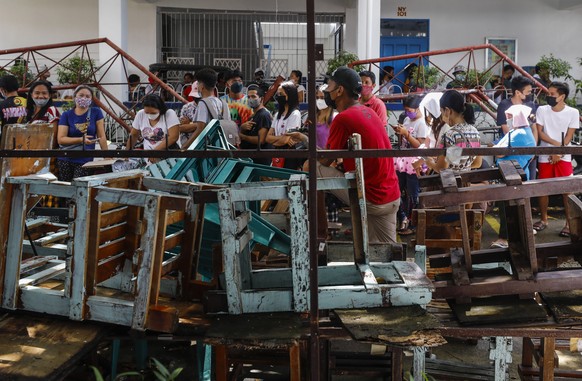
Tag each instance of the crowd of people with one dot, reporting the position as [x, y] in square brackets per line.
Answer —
[346, 103]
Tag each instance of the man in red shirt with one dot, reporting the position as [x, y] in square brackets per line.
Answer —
[369, 99]
[380, 181]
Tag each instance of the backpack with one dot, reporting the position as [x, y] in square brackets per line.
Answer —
[229, 127]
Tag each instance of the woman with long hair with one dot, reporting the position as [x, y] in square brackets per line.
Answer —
[286, 123]
[83, 125]
[323, 118]
[158, 125]
[460, 116]
[39, 106]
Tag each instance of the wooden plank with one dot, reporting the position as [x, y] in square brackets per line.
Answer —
[448, 181]
[44, 348]
[465, 236]
[563, 280]
[173, 240]
[19, 136]
[51, 238]
[300, 250]
[295, 362]
[93, 249]
[368, 278]
[509, 173]
[498, 192]
[112, 233]
[43, 300]
[83, 232]
[113, 216]
[175, 216]
[575, 218]
[41, 276]
[13, 255]
[109, 267]
[162, 319]
[110, 310]
[112, 248]
[548, 345]
[145, 274]
[232, 267]
[31, 264]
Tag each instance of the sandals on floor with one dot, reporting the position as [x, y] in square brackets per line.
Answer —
[564, 232]
[406, 231]
[540, 225]
[403, 225]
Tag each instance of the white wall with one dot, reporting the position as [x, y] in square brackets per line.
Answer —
[539, 26]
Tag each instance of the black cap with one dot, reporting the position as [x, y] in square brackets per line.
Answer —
[348, 78]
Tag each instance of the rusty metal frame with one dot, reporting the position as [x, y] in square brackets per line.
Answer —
[476, 95]
[95, 75]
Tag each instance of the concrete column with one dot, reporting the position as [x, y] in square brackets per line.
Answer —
[363, 29]
[113, 25]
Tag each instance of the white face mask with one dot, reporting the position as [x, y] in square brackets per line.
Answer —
[320, 103]
[153, 116]
[509, 123]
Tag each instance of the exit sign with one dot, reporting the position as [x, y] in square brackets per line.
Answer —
[401, 12]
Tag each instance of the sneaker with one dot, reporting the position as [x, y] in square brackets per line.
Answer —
[500, 244]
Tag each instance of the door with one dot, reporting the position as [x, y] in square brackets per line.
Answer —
[402, 37]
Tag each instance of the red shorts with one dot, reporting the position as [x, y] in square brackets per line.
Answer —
[560, 169]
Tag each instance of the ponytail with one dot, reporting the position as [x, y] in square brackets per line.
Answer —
[469, 114]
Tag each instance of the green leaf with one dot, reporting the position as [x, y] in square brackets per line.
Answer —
[131, 373]
[97, 373]
[161, 368]
[160, 376]
[176, 373]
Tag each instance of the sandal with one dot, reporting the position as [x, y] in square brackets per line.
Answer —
[540, 225]
[403, 224]
[564, 232]
[406, 231]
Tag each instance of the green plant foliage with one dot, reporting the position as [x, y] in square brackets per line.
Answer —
[21, 72]
[75, 70]
[99, 376]
[428, 77]
[162, 373]
[557, 67]
[343, 58]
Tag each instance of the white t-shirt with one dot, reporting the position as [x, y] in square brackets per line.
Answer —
[153, 135]
[282, 125]
[554, 124]
[417, 129]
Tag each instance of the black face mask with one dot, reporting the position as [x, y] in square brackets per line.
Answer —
[328, 101]
[551, 101]
[281, 100]
[528, 98]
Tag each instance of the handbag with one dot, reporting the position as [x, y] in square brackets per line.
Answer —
[78, 146]
[228, 126]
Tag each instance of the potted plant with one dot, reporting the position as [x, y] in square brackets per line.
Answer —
[343, 58]
[75, 70]
[427, 77]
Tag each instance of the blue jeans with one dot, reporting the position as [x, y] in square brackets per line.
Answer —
[409, 190]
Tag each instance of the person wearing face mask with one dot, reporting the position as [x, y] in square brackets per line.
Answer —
[187, 112]
[237, 101]
[80, 126]
[253, 133]
[13, 107]
[412, 133]
[556, 124]
[387, 84]
[380, 181]
[39, 106]
[521, 88]
[284, 132]
[460, 74]
[157, 125]
[460, 116]
[367, 97]
[324, 117]
[519, 135]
